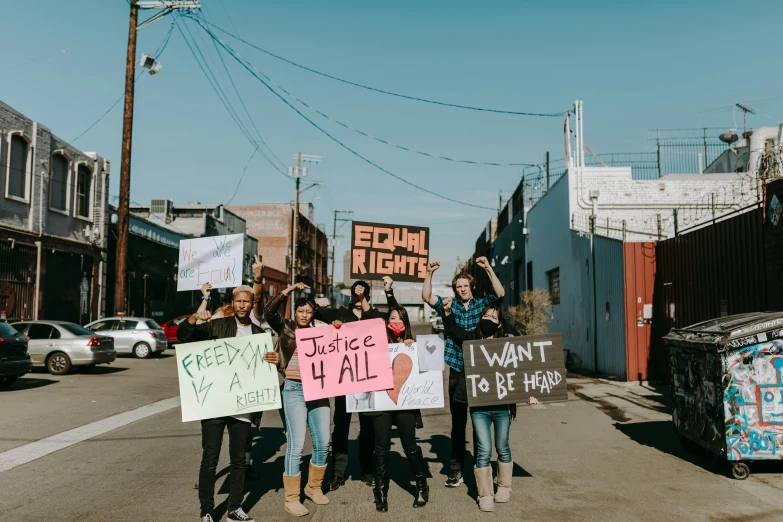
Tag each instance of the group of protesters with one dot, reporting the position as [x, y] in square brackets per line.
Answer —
[465, 317]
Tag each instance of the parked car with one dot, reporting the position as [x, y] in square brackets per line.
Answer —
[59, 345]
[137, 335]
[171, 326]
[14, 359]
[437, 325]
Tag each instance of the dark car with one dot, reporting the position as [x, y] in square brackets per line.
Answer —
[14, 359]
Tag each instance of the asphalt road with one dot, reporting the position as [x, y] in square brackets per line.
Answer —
[585, 459]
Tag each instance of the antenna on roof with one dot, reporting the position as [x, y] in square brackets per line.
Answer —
[745, 111]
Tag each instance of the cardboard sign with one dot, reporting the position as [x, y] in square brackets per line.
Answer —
[398, 251]
[226, 377]
[352, 359]
[217, 260]
[513, 369]
[413, 389]
[431, 353]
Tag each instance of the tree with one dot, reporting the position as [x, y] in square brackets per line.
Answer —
[532, 315]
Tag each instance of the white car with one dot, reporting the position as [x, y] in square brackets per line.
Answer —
[137, 335]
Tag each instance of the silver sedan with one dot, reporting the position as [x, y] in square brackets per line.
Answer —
[137, 335]
[59, 345]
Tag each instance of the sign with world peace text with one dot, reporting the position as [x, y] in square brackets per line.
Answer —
[339, 361]
[513, 369]
[398, 251]
[414, 388]
[227, 377]
[217, 260]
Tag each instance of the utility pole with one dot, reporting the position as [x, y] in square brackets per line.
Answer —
[123, 210]
[334, 242]
[298, 172]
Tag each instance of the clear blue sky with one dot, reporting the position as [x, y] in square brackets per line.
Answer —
[637, 65]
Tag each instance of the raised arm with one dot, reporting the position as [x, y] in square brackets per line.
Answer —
[258, 287]
[272, 310]
[497, 286]
[426, 289]
[452, 330]
[206, 288]
[189, 331]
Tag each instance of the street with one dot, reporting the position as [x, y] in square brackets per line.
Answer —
[608, 453]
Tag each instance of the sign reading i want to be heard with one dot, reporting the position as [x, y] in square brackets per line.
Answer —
[513, 369]
[398, 251]
[217, 260]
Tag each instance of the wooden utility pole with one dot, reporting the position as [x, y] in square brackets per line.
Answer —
[123, 210]
[298, 173]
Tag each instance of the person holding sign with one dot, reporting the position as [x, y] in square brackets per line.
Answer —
[467, 315]
[490, 325]
[398, 329]
[238, 426]
[300, 415]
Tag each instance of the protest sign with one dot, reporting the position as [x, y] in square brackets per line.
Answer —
[351, 359]
[413, 389]
[226, 377]
[513, 369]
[431, 357]
[398, 251]
[217, 260]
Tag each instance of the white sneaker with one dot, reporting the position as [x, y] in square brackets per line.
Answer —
[207, 518]
[238, 515]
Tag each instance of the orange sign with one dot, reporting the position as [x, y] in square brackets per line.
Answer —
[398, 251]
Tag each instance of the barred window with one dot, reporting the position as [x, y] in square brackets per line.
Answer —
[553, 278]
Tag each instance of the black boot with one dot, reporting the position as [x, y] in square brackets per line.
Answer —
[381, 487]
[419, 468]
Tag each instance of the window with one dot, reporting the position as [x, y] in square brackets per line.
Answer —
[18, 167]
[7, 330]
[529, 279]
[39, 331]
[102, 326]
[75, 330]
[127, 325]
[58, 184]
[553, 278]
[608, 314]
[83, 182]
[152, 325]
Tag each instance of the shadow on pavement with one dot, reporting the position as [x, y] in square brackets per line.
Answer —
[100, 370]
[29, 383]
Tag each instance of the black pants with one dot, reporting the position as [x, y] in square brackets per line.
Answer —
[459, 423]
[211, 441]
[342, 424]
[406, 427]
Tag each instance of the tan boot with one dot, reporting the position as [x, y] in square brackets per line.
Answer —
[292, 491]
[504, 481]
[485, 489]
[314, 482]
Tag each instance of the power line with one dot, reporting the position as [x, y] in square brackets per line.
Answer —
[252, 71]
[382, 91]
[242, 176]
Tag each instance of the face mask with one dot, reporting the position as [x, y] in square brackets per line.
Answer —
[488, 327]
[396, 327]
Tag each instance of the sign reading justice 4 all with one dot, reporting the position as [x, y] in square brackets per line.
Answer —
[398, 251]
[226, 377]
[513, 369]
[217, 260]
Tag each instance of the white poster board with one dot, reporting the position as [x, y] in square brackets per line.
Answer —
[218, 260]
[227, 377]
[431, 353]
[412, 389]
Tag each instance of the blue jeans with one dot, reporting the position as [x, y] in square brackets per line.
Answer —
[300, 416]
[483, 417]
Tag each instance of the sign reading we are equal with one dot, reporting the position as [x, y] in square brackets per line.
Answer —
[217, 260]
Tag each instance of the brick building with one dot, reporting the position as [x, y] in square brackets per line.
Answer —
[272, 224]
[53, 224]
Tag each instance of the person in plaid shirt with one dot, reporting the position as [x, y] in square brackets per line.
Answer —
[467, 313]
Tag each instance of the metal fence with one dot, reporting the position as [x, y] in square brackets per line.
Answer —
[17, 280]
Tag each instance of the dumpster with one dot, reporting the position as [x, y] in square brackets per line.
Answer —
[727, 388]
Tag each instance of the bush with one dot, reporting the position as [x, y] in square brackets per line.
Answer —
[532, 315]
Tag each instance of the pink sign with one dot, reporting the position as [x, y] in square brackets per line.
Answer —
[353, 359]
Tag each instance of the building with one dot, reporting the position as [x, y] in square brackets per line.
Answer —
[53, 224]
[272, 224]
[347, 281]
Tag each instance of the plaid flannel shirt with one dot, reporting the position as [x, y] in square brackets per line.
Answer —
[467, 319]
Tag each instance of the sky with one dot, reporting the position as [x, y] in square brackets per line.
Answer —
[637, 66]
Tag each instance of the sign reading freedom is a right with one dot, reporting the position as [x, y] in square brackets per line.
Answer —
[513, 369]
[398, 251]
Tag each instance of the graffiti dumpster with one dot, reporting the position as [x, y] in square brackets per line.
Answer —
[727, 388]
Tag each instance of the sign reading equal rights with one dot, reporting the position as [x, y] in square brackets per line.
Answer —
[513, 369]
[398, 251]
[217, 260]
[351, 359]
[226, 377]
[413, 388]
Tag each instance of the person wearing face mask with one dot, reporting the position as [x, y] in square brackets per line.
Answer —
[398, 330]
[300, 415]
[467, 313]
[490, 325]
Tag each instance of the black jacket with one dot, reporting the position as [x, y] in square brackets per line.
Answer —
[285, 328]
[345, 314]
[221, 328]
